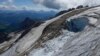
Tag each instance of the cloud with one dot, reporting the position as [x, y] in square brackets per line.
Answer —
[92, 2]
[7, 5]
[47, 4]
[58, 4]
[65, 4]
[51, 4]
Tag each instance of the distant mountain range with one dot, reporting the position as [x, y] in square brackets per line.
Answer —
[9, 16]
[15, 20]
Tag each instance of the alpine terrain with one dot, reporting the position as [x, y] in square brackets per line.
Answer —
[74, 33]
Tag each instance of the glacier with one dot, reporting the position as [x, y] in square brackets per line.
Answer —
[85, 43]
[50, 39]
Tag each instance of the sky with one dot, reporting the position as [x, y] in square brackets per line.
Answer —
[45, 5]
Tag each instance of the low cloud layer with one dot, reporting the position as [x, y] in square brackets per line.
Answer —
[7, 4]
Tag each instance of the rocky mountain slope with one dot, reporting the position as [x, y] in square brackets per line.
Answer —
[51, 39]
